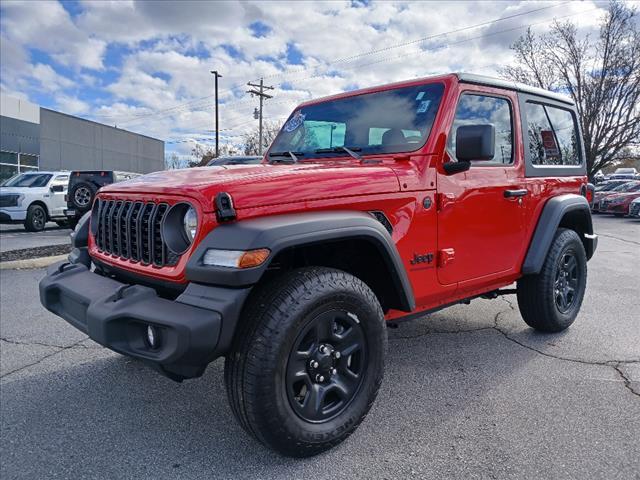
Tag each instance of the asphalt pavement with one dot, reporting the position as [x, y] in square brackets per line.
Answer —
[469, 392]
[15, 237]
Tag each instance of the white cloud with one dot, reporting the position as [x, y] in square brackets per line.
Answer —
[162, 86]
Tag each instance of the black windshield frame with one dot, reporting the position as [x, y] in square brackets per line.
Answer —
[413, 112]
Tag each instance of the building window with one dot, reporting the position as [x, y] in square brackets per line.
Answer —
[12, 163]
[28, 162]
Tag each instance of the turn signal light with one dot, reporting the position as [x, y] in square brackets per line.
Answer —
[236, 258]
[253, 258]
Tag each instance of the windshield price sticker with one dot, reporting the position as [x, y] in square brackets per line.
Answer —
[423, 106]
[294, 122]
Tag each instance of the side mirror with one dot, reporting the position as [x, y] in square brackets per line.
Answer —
[57, 188]
[475, 142]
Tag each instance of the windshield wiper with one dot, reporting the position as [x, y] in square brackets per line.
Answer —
[292, 155]
[351, 151]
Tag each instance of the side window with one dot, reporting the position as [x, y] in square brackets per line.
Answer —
[60, 180]
[480, 109]
[553, 135]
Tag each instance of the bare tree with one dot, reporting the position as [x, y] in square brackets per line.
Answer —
[203, 154]
[601, 75]
[173, 161]
[250, 139]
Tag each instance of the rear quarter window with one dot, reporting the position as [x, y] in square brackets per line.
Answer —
[552, 138]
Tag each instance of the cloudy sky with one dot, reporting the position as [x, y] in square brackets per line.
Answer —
[144, 65]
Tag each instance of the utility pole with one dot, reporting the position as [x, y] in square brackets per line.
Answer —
[217, 75]
[260, 93]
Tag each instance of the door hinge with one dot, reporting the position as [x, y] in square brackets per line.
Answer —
[444, 199]
[446, 256]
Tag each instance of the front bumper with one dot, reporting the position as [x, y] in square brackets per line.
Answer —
[193, 329]
[12, 215]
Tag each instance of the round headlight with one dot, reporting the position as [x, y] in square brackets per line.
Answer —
[179, 227]
[190, 222]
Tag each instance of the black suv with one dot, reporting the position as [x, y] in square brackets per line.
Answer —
[83, 186]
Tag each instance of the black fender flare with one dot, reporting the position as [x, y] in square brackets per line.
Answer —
[280, 232]
[555, 210]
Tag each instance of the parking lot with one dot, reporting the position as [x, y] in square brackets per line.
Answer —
[15, 237]
[469, 392]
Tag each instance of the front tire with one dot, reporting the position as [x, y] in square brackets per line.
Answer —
[36, 218]
[307, 361]
[550, 300]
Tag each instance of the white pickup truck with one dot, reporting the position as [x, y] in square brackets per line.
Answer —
[34, 199]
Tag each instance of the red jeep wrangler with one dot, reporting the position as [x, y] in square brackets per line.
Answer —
[370, 206]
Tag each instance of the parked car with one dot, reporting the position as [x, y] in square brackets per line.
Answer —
[291, 271]
[619, 203]
[625, 173]
[33, 199]
[634, 208]
[609, 185]
[599, 177]
[83, 186]
[626, 186]
[234, 160]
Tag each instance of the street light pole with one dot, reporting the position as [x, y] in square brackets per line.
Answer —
[217, 75]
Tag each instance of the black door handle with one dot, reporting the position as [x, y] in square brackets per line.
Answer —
[515, 193]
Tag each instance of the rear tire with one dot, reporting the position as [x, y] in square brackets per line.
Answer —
[311, 316]
[36, 218]
[550, 300]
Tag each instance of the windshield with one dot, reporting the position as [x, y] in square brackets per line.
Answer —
[627, 187]
[391, 121]
[29, 180]
[605, 187]
[625, 170]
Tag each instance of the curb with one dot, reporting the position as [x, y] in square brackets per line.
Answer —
[31, 263]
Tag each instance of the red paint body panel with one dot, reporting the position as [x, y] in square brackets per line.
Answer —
[478, 236]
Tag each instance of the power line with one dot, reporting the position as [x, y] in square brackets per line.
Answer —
[352, 57]
[424, 39]
[421, 52]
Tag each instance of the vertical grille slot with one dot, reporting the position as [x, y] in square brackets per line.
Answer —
[133, 231]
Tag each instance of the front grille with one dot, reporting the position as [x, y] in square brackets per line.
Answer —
[9, 200]
[131, 231]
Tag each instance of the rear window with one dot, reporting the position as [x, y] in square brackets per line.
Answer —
[553, 136]
[397, 120]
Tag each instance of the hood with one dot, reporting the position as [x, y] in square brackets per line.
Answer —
[263, 185]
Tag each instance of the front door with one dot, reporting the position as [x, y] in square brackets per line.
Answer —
[480, 231]
[57, 192]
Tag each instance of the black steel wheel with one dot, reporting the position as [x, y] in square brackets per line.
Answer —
[307, 360]
[326, 366]
[550, 300]
[566, 284]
